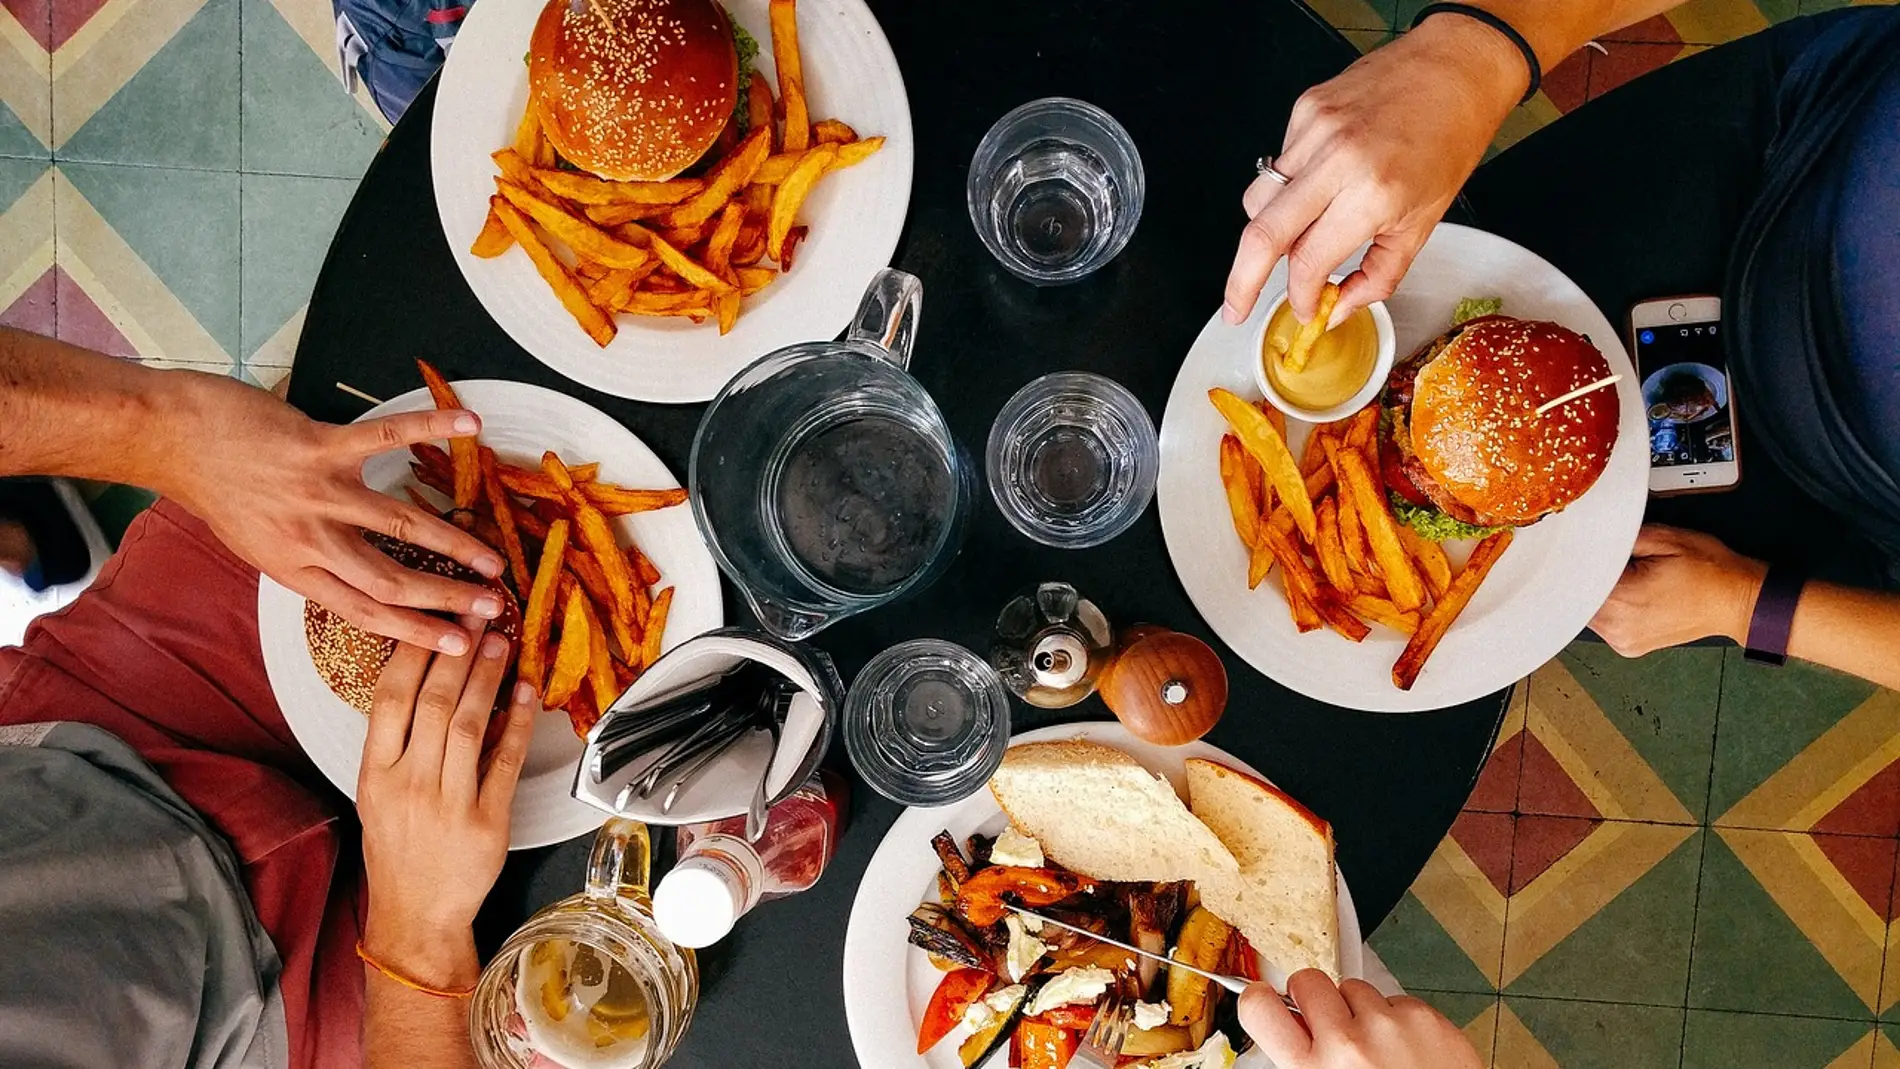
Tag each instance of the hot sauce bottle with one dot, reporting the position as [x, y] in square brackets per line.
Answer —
[719, 876]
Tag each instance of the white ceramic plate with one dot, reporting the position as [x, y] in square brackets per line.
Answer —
[888, 982]
[520, 422]
[1544, 589]
[855, 215]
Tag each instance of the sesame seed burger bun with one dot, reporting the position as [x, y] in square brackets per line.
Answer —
[633, 90]
[351, 660]
[1475, 429]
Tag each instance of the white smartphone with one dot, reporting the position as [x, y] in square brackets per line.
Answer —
[1688, 395]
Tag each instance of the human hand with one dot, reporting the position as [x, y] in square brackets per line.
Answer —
[434, 809]
[1376, 154]
[1679, 586]
[286, 494]
[1351, 1026]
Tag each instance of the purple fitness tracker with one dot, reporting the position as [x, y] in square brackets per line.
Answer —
[1774, 615]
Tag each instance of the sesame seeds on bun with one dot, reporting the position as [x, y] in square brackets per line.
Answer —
[351, 660]
[633, 90]
[1476, 432]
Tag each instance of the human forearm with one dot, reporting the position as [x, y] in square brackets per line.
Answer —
[68, 411]
[1556, 28]
[408, 1029]
[1855, 631]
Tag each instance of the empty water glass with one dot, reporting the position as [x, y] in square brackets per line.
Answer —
[1055, 190]
[926, 722]
[1073, 459]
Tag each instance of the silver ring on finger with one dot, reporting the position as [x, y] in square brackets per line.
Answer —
[1264, 165]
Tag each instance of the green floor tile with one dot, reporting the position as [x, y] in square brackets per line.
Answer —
[1664, 704]
[1463, 1009]
[1713, 1040]
[1415, 947]
[288, 224]
[1750, 957]
[17, 140]
[1778, 10]
[180, 109]
[184, 225]
[297, 119]
[1770, 715]
[1635, 949]
[16, 177]
[1594, 1035]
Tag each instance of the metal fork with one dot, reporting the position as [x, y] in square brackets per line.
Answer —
[1102, 1043]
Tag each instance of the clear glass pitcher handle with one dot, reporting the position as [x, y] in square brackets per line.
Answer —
[887, 317]
[621, 861]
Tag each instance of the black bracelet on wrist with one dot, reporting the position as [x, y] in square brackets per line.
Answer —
[1498, 24]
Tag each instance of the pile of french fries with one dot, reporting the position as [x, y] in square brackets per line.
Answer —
[591, 621]
[692, 247]
[1330, 509]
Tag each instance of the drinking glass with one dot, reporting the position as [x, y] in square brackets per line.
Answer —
[825, 478]
[1073, 459]
[926, 722]
[1055, 190]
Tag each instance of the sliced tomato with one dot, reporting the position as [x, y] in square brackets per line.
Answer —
[1076, 1018]
[957, 992]
[1046, 1046]
[1393, 468]
[1246, 958]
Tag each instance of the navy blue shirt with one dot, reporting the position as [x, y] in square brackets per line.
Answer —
[1867, 259]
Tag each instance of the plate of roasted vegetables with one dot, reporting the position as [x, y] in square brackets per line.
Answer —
[1184, 852]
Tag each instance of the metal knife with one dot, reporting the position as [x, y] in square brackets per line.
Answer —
[1236, 984]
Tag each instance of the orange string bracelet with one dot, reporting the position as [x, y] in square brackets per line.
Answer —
[406, 981]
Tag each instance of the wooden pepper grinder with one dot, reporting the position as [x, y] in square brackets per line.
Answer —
[1165, 687]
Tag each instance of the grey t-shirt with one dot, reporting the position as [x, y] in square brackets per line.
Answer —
[126, 937]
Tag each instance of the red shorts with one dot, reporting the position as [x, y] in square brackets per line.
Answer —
[162, 651]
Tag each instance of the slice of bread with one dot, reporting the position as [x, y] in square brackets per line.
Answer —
[1097, 811]
[1284, 899]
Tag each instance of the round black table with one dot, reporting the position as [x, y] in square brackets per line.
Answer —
[1204, 87]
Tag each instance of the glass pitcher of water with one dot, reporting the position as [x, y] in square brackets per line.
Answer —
[589, 982]
[824, 477]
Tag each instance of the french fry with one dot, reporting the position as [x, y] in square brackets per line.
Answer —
[1326, 546]
[758, 105]
[571, 656]
[643, 567]
[1298, 576]
[600, 663]
[598, 324]
[685, 237]
[595, 533]
[1275, 417]
[539, 616]
[610, 498]
[515, 167]
[587, 572]
[725, 234]
[590, 271]
[775, 169]
[503, 508]
[494, 238]
[856, 152]
[621, 214]
[792, 193]
[588, 241]
[726, 179]
[1433, 565]
[1312, 455]
[1360, 427]
[788, 251]
[1352, 536]
[1305, 617]
[1395, 565]
[583, 712]
[528, 134]
[750, 248]
[1259, 564]
[652, 644]
[754, 279]
[832, 132]
[1269, 450]
[464, 462]
[1432, 628]
[1381, 611]
[791, 75]
[1242, 502]
[586, 189]
[517, 478]
[421, 502]
[686, 267]
[613, 287]
[1309, 333]
[691, 303]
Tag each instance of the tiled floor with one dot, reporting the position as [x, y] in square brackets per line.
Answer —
[1678, 861]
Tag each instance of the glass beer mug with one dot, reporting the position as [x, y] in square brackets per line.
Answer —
[589, 982]
[824, 477]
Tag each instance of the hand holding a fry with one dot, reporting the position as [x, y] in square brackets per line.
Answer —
[1376, 154]
[286, 494]
[1679, 586]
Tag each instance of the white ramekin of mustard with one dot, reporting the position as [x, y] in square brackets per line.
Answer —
[1345, 371]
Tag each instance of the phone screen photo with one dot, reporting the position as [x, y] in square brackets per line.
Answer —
[1685, 394]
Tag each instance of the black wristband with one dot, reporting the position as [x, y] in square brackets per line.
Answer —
[1498, 24]
[1773, 618]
